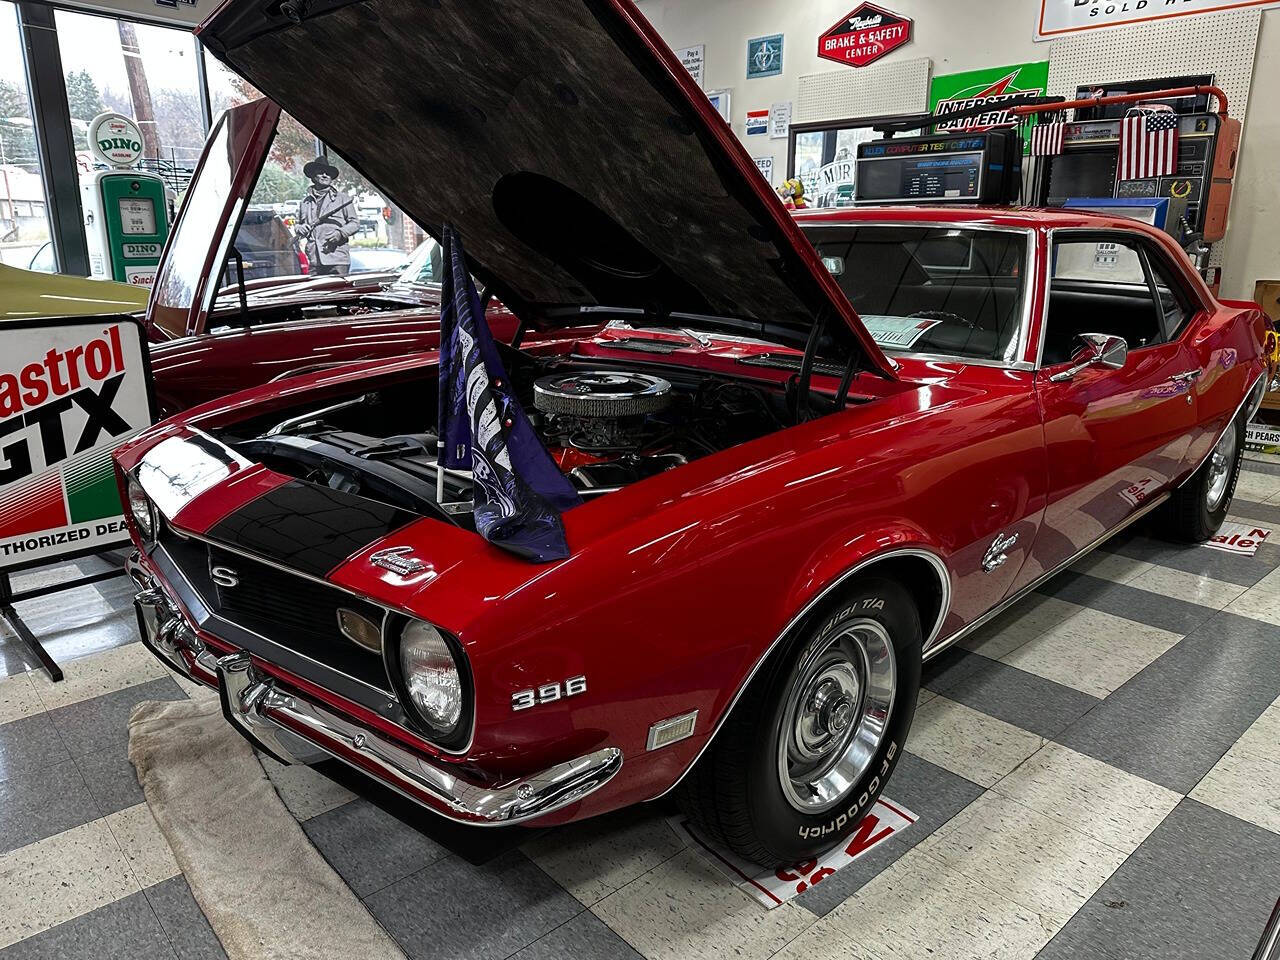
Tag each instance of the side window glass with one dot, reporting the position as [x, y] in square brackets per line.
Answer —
[1098, 286]
[1175, 307]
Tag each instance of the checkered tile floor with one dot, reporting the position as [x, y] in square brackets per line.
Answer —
[1097, 775]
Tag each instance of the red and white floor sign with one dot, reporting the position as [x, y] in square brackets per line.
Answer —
[1242, 538]
[773, 888]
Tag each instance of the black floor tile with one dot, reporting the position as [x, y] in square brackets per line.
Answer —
[124, 930]
[28, 745]
[1173, 721]
[183, 921]
[585, 937]
[1218, 564]
[101, 725]
[999, 690]
[111, 779]
[455, 910]
[368, 847]
[1155, 610]
[1202, 885]
[43, 803]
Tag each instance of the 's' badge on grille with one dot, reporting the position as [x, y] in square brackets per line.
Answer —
[398, 560]
[224, 576]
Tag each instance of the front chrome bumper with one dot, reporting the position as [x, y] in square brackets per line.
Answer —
[294, 729]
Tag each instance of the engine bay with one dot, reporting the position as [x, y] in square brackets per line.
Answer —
[604, 424]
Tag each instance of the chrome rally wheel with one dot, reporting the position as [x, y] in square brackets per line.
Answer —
[1221, 467]
[834, 722]
[806, 751]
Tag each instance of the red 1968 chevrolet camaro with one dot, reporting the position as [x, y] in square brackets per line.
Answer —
[813, 452]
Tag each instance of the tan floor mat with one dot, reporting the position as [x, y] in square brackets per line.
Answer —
[266, 890]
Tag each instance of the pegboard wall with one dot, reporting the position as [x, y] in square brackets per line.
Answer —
[1223, 44]
[900, 87]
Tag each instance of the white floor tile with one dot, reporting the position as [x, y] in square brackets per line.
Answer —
[1261, 601]
[919, 908]
[684, 909]
[1110, 805]
[1191, 587]
[1024, 621]
[1034, 860]
[824, 940]
[144, 846]
[1246, 781]
[965, 741]
[60, 878]
[1093, 652]
[1257, 486]
[18, 698]
[99, 673]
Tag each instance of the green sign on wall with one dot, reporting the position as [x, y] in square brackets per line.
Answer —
[959, 91]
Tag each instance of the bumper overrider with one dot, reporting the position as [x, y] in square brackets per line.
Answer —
[295, 729]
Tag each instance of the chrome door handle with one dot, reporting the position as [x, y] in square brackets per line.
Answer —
[1187, 376]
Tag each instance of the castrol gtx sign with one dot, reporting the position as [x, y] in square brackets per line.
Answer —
[70, 392]
[865, 35]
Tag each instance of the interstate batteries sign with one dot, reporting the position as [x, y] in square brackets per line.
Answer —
[990, 88]
[71, 391]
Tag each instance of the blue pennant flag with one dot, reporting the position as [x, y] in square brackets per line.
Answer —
[519, 492]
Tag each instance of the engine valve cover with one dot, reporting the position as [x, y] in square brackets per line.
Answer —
[601, 393]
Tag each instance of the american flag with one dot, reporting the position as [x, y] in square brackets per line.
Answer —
[1047, 138]
[1148, 144]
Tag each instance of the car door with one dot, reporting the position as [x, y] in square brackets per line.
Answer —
[1115, 437]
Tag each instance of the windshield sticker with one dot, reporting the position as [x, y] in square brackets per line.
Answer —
[901, 332]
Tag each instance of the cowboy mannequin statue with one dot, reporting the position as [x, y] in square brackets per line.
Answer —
[326, 219]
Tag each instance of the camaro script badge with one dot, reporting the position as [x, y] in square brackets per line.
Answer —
[398, 560]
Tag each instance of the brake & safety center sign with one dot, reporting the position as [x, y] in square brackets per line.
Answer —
[71, 390]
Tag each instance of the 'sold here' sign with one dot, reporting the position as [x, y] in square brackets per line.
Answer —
[71, 390]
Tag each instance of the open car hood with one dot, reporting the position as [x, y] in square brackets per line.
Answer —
[577, 158]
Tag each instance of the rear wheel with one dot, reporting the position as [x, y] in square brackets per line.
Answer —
[1197, 508]
[807, 750]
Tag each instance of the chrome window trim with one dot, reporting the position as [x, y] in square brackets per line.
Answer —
[1018, 352]
[944, 579]
[1050, 236]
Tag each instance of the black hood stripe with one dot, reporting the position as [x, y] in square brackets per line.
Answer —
[308, 528]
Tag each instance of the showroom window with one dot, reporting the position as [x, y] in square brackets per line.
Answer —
[24, 220]
[382, 238]
[145, 72]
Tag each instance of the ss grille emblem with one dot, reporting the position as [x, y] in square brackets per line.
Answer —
[224, 576]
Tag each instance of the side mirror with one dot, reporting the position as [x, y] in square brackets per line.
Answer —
[1099, 349]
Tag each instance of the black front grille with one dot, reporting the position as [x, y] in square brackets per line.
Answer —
[285, 608]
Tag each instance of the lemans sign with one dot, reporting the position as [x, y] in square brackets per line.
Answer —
[865, 35]
[71, 390]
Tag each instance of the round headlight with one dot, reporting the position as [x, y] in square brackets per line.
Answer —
[431, 675]
[141, 510]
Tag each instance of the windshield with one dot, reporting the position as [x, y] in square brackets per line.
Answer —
[425, 266]
[938, 290]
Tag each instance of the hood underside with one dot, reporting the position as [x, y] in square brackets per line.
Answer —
[577, 159]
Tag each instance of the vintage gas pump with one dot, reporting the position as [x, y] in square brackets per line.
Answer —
[126, 216]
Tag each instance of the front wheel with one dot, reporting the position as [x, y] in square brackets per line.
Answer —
[1197, 508]
[810, 746]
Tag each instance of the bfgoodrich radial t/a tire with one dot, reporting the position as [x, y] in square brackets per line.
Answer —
[808, 748]
[1197, 508]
